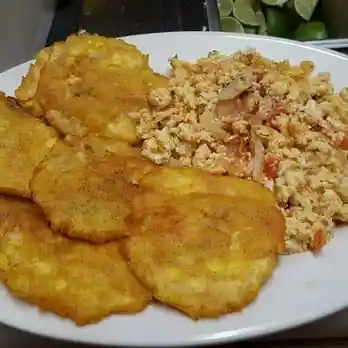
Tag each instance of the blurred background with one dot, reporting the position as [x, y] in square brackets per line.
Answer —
[304, 20]
[29, 25]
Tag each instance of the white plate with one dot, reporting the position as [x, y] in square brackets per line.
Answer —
[304, 287]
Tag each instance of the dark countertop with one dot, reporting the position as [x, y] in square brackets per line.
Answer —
[129, 17]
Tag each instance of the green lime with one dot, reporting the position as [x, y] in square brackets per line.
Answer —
[274, 2]
[231, 25]
[249, 30]
[244, 11]
[293, 20]
[289, 5]
[311, 31]
[225, 7]
[262, 30]
[305, 8]
[277, 22]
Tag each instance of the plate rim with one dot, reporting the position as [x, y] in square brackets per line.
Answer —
[303, 44]
[226, 337]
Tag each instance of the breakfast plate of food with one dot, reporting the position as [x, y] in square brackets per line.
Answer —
[173, 189]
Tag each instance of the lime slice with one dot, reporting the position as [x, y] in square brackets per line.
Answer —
[262, 22]
[274, 2]
[225, 7]
[305, 8]
[277, 23]
[311, 31]
[244, 11]
[231, 25]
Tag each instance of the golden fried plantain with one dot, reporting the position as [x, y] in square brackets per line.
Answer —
[89, 84]
[205, 255]
[24, 143]
[87, 194]
[135, 166]
[179, 181]
[78, 280]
